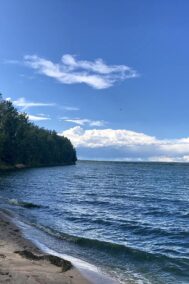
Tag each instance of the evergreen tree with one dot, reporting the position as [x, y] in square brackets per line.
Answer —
[22, 142]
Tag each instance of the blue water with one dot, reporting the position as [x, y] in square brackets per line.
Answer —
[129, 219]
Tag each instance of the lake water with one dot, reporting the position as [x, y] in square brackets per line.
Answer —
[129, 219]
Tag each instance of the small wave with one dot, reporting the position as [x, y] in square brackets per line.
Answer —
[175, 265]
[23, 204]
[88, 220]
[111, 248]
[185, 215]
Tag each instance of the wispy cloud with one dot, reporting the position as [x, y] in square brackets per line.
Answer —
[24, 104]
[96, 74]
[124, 144]
[38, 117]
[27, 76]
[70, 108]
[84, 121]
[11, 61]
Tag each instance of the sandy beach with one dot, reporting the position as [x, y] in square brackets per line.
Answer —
[21, 262]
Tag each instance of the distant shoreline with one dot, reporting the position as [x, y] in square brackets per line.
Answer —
[5, 167]
[133, 162]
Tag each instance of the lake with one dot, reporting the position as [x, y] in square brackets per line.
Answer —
[129, 219]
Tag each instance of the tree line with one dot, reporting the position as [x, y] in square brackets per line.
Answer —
[22, 142]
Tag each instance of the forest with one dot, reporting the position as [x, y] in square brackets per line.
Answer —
[24, 143]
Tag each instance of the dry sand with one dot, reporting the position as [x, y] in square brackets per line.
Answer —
[21, 262]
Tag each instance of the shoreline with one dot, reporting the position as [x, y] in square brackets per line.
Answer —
[6, 167]
[23, 262]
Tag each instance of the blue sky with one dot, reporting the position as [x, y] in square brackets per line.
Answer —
[110, 75]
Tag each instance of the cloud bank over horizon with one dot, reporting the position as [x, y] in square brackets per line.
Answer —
[96, 74]
[126, 145]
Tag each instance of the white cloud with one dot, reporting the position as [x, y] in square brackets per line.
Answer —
[124, 144]
[96, 74]
[70, 108]
[24, 104]
[182, 159]
[11, 61]
[96, 138]
[163, 159]
[26, 76]
[21, 102]
[38, 117]
[97, 66]
[84, 121]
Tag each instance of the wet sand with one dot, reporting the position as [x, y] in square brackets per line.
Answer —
[21, 262]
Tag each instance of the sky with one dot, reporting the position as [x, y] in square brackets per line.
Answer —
[112, 76]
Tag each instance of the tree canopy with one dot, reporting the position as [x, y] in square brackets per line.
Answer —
[22, 142]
